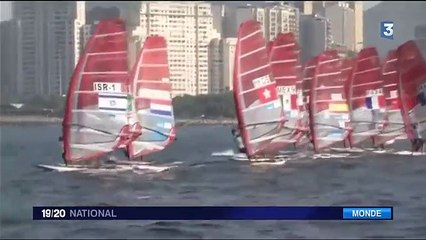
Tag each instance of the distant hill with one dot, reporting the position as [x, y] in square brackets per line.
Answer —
[405, 15]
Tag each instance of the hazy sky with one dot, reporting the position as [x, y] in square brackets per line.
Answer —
[4, 10]
[5, 13]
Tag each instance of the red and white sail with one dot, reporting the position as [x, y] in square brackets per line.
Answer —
[152, 117]
[412, 83]
[286, 70]
[329, 113]
[394, 126]
[347, 71]
[95, 120]
[366, 99]
[258, 108]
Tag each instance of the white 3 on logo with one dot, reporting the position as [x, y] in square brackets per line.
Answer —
[388, 31]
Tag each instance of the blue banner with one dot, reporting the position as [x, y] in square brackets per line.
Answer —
[212, 213]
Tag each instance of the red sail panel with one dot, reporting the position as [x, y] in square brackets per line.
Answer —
[412, 66]
[347, 71]
[394, 126]
[152, 117]
[329, 113]
[259, 111]
[286, 69]
[95, 120]
[366, 99]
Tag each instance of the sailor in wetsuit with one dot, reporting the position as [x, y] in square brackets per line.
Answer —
[60, 139]
[417, 142]
[95, 163]
[238, 141]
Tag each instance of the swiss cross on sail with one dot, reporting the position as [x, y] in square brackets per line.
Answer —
[375, 99]
[265, 89]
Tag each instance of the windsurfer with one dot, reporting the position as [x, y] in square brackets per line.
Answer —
[238, 140]
[126, 152]
[61, 139]
[417, 142]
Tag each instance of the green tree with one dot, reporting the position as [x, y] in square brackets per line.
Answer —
[211, 106]
[351, 54]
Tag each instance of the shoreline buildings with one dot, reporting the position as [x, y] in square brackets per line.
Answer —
[47, 38]
[46, 47]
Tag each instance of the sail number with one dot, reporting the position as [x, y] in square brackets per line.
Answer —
[282, 90]
[262, 81]
[375, 92]
[106, 87]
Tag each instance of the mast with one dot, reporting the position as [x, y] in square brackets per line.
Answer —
[60, 73]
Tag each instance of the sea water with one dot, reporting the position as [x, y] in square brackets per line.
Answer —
[369, 180]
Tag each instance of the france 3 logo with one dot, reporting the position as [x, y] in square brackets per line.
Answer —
[386, 30]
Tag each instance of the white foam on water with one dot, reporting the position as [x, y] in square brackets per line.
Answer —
[347, 150]
[279, 159]
[143, 197]
[328, 155]
[279, 162]
[409, 153]
[226, 153]
[152, 168]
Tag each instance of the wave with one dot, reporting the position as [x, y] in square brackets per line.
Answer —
[226, 153]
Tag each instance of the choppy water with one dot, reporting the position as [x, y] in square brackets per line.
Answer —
[372, 180]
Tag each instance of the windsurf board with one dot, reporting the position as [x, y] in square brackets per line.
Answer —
[107, 168]
[278, 160]
[60, 168]
[403, 153]
[226, 153]
[347, 150]
[328, 155]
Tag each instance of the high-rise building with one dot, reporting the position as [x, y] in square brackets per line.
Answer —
[234, 16]
[221, 64]
[420, 37]
[86, 32]
[342, 20]
[346, 18]
[218, 12]
[48, 45]
[188, 28]
[8, 60]
[359, 25]
[99, 13]
[215, 65]
[315, 36]
[281, 18]
[316, 7]
[229, 47]
[274, 19]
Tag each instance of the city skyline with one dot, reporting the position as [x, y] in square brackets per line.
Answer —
[197, 65]
[201, 39]
[6, 11]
